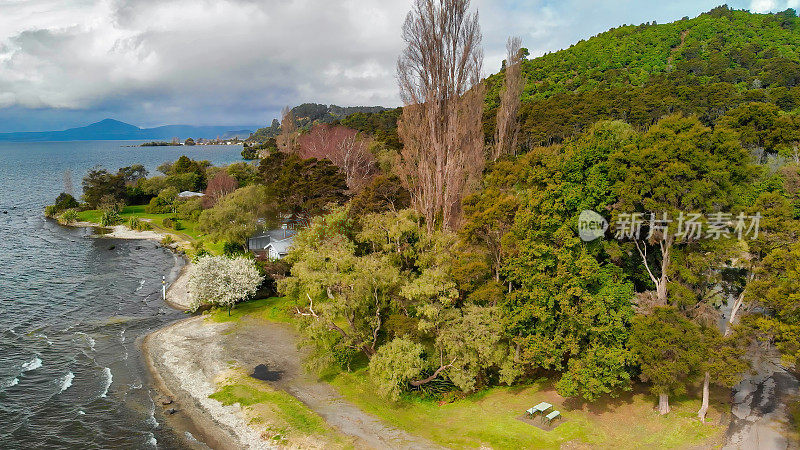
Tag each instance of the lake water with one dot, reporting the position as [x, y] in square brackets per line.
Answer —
[73, 309]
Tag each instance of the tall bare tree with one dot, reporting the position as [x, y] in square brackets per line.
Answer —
[342, 146]
[439, 73]
[505, 138]
[287, 140]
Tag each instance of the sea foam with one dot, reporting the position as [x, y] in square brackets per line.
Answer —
[109, 380]
[33, 364]
[90, 340]
[66, 381]
[8, 384]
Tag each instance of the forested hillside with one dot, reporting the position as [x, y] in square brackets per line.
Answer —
[706, 66]
[699, 115]
[308, 114]
[638, 73]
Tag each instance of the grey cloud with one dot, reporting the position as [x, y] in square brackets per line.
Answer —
[153, 62]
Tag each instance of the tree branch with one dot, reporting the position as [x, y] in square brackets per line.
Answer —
[418, 383]
[643, 254]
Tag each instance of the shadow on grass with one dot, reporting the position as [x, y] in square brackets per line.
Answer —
[275, 309]
[606, 403]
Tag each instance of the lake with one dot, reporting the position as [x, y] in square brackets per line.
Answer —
[73, 308]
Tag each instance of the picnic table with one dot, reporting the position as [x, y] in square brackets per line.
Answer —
[540, 408]
[552, 416]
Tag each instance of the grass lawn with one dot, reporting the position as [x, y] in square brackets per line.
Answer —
[489, 418]
[281, 418]
[189, 232]
[274, 309]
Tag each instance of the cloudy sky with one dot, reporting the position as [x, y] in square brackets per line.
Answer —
[67, 63]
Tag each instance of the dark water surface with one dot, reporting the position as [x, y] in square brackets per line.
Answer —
[74, 308]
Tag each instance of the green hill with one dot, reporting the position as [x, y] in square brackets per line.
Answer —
[308, 114]
[706, 66]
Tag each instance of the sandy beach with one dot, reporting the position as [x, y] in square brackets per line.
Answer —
[178, 290]
[188, 358]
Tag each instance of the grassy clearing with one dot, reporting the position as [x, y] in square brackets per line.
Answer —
[189, 232]
[794, 411]
[489, 418]
[280, 417]
[274, 309]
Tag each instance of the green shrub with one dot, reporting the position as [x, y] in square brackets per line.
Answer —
[158, 205]
[134, 223]
[164, 203]
[110, 218]
[249, 153]
[231, 249]
[168, 222]
[167, 241]
[68, 217]
[65, 201]
[189, 209]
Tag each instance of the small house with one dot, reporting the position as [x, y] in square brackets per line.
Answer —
[272, 244]
[190, 194]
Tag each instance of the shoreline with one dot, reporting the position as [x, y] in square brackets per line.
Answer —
[190, 416]
[191, 359]
[120, 232]
[189, 424]
[177, 296]
[185, 360]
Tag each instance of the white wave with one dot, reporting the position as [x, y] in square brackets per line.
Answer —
[152, 440]
[8, 384]
[90, 340]
[33, 364]
[122, 335]
[46, 339]
[151, 419]
[141, 285]
[109, 380]
[66, 381]
[81, 413]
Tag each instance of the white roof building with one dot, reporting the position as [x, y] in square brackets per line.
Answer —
[190, 194]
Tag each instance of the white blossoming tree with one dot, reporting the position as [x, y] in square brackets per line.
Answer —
[222, 281]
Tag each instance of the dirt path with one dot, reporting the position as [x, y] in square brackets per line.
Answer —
[189, 355]
[760, 407]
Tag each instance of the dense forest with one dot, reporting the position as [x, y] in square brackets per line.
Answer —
[706, 107]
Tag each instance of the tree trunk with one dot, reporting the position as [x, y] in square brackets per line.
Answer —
[704, 408]
[661, 285]
[734, 310]
[418, 383]
[663, 404]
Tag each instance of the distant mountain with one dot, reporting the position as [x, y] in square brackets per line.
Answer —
[114, 130]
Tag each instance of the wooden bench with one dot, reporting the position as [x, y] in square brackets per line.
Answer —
[552, 416]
